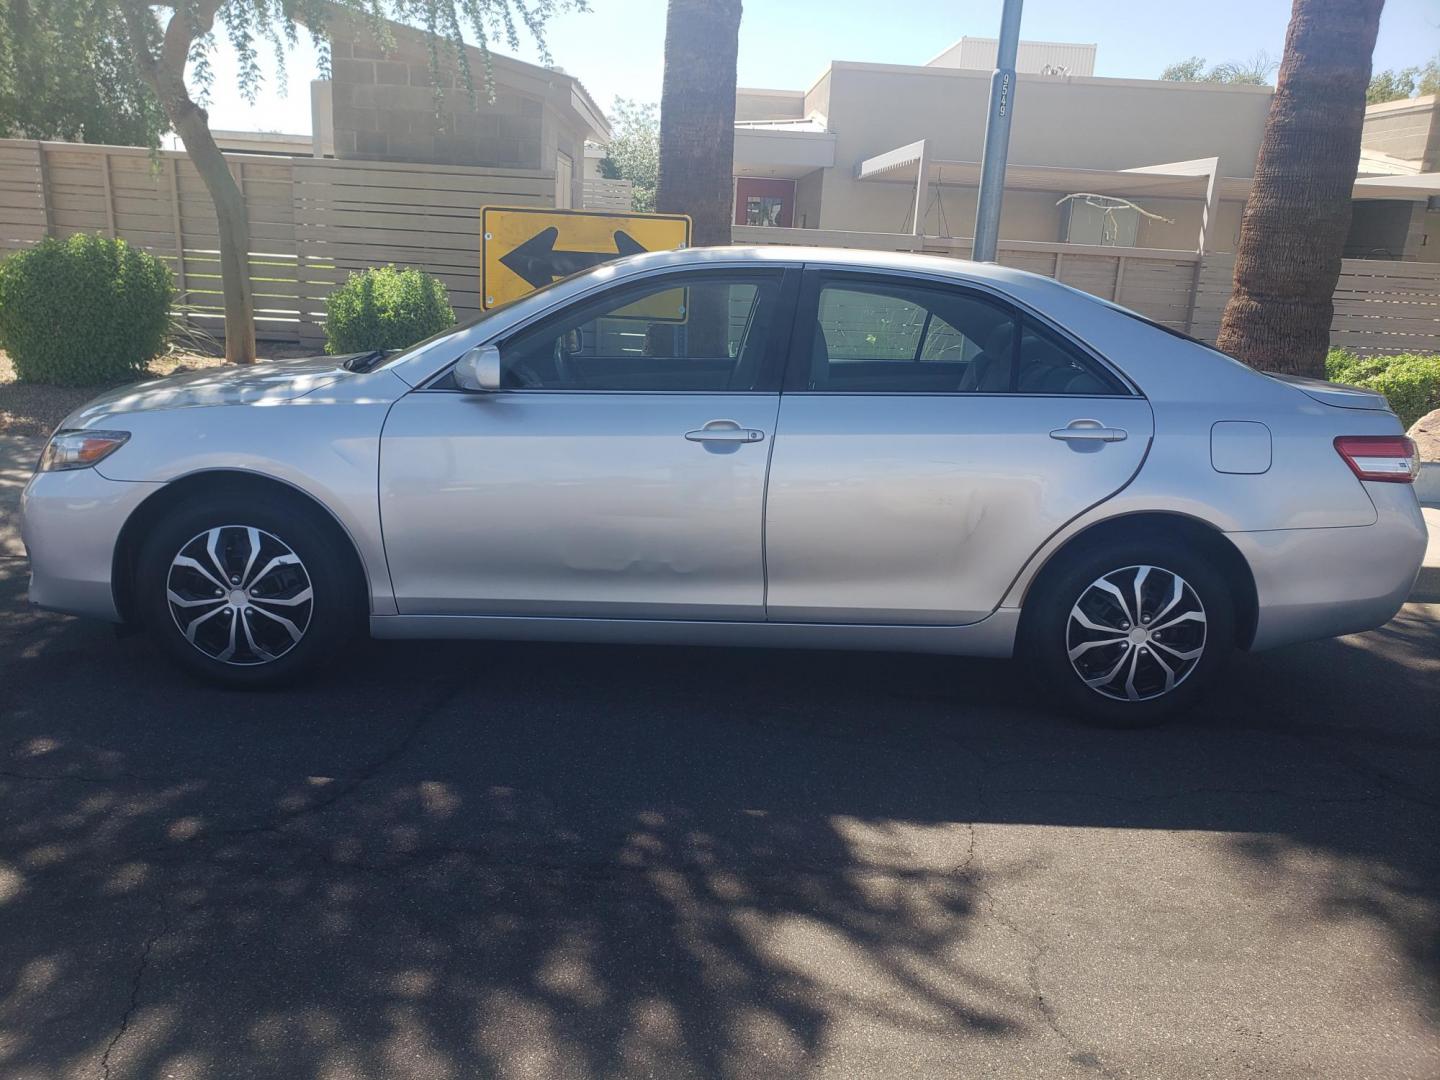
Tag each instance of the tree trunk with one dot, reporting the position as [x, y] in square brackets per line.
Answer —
[233, 219]
[162, 65]
[1293, 232]
[697, 116]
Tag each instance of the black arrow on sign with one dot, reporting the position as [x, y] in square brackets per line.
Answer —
[537, 261]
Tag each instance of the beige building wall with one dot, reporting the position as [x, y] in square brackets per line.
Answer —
[751, 104]
[1407, 129]
[807, 200]
[1074, 122]
[980, 54]
[817, 98]
[1428, 248]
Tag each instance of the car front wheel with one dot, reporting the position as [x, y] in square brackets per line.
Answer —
[1128, 634]
[246, 591]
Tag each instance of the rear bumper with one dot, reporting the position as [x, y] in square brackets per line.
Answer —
[1318, 583]
[69, 522]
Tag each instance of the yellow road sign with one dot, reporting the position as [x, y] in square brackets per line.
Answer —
[522, 249]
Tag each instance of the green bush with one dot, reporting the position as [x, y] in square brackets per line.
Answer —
[1409, 381]
[385, 308]
[83, 310]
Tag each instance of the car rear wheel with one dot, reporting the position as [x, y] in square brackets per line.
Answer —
[1128, 634]
[246, 590]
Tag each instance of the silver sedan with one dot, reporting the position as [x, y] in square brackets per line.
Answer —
[768, 446]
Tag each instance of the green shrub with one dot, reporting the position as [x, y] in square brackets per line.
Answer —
[83, 310]
[1409, 381]
[385, 308]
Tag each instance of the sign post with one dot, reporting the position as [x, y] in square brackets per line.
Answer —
[523, 249]
[997, 137]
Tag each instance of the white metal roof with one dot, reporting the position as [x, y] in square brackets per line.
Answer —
[1181, 179]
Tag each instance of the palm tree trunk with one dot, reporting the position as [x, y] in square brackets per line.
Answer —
[164, 69]
[697, 116]
[1293, 233]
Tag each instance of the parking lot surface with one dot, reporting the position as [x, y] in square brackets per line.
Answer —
[470, 860]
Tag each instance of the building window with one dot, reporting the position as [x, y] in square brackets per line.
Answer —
[763, 209]
[1104, 225]
[764, 201]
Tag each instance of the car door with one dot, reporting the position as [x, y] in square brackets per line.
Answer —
[931, 437]
[619, 472]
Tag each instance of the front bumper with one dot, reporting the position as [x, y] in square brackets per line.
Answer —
[1319, 583]
[70, 522]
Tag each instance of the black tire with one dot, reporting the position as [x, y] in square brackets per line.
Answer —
[1049, 633]
[327, 621]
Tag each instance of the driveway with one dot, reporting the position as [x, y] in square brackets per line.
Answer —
[469, 860]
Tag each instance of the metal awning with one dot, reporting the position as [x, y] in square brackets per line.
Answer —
[1175, 180]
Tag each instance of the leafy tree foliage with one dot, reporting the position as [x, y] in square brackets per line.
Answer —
[1253, 72]
[63, 76]
[1396, 84]
[635, 151]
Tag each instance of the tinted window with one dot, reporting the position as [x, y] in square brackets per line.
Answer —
[680, 332]
[874, 337]
[1051, 365]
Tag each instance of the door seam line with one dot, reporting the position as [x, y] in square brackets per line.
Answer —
[765, 512]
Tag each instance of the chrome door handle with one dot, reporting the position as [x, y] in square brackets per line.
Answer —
[1089, 431]
[724, 431]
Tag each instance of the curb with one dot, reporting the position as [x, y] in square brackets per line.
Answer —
[1427, 484]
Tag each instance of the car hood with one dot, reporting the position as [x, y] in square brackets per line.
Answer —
[265, 383]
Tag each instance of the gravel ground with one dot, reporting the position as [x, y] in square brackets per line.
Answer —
[33, 409]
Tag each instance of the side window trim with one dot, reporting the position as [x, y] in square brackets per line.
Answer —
[815, 276]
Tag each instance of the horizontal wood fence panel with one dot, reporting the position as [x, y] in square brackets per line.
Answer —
[312, 221]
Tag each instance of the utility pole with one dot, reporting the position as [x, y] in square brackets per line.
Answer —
[997, 136]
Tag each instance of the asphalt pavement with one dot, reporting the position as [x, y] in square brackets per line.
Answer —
[526, 860]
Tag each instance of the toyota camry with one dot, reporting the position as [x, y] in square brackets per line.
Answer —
[746, 446]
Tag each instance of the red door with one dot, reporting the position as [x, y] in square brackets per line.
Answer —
[764, 201]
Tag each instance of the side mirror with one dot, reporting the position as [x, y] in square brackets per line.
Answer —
[478, 371]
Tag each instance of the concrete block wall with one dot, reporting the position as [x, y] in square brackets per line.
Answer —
[384, 108]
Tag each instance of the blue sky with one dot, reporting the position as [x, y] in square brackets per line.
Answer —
[616, 48]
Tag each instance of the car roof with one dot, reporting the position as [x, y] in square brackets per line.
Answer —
[1015, 282]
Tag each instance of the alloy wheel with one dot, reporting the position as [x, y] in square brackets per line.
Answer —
[1136, 633]
[240, 595]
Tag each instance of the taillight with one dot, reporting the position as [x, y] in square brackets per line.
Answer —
[1391, 458]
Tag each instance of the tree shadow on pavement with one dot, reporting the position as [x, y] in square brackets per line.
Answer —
[533, 860]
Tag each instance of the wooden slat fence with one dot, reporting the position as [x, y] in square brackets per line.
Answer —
[607, 194]
[1156, 282]
[1381, 306]
[312, 221]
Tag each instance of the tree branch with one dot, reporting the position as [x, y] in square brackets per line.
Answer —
[180, 34]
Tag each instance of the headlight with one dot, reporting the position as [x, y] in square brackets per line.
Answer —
[80, 449]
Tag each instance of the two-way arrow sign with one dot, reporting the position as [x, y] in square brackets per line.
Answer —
[524, 248]
[539, 262]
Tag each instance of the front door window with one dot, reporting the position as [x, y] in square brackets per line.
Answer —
[678, 333]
